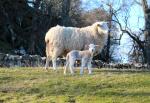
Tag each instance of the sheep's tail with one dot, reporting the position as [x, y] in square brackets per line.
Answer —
[46, 40]
[48, 47]
[67, 64]
[48, 58]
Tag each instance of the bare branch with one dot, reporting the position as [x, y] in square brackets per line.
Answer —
[137, 2]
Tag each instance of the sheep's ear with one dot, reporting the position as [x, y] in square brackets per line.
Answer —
[98, 25]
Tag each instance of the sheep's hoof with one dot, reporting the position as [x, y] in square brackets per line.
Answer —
[46, 68]
[56, 71]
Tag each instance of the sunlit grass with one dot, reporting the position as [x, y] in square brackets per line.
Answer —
[36, 85]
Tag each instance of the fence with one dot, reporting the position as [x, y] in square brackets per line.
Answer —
[8, 60]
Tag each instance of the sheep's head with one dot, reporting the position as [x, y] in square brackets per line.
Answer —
[102, 27]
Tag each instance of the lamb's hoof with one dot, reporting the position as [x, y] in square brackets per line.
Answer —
[72, 74]
[81, 73]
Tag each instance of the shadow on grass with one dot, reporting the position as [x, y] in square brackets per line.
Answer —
[88, 91]
[139, 94]
[123, 70]
[6, 78]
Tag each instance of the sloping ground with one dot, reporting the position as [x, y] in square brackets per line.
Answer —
[35, 85]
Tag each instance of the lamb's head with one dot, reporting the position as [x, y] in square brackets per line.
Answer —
[92, 48]
[101, 27]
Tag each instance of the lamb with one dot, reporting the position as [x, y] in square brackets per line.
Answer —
[85, 57]
[60, 40]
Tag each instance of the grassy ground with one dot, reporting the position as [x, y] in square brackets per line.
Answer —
[35, 85]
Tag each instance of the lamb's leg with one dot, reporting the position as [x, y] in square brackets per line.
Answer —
[65, 69]
[90, 67]
[83, 65]
[81, 70]
[71, 69]
[71, 65]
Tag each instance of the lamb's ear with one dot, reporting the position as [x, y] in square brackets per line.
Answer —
[96, 45]
[86, 46]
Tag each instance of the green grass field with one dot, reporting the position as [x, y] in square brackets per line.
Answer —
[36, 85]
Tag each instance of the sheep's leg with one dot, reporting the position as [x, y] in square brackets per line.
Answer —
[90, 67]
[54, 63]
[47, 62]
[65, 69]
[47, 56]
[55, 54]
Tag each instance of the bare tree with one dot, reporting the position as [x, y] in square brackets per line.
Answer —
[24, 22]
[109, 33]
[146, 10]
[115, 12]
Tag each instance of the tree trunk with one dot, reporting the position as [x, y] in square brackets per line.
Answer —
[37, 4]
[146, 10]
[109, 33]
[65, 12]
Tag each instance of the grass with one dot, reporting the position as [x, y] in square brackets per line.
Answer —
[35, 85]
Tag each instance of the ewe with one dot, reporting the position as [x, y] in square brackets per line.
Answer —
[85, 57]
[60, 40]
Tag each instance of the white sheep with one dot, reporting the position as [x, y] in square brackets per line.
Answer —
[85, 57]
[60, 40]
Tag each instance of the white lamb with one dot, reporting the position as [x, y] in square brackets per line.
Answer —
[85, 57]
[60, 40]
